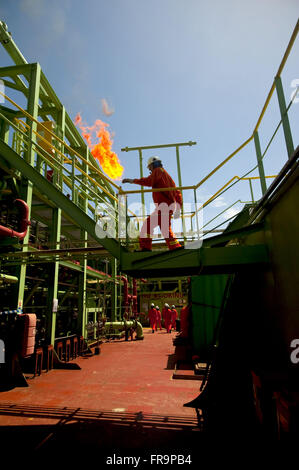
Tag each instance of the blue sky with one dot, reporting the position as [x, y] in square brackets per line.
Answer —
[173, 71]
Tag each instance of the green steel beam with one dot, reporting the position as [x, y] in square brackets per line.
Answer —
[82, 321]
[260, 162]
[10, 46]
[53, 277]
[148, 147]
[4, 131]
[114, 291]
[225, 237]
[19, 86]
[188, 262]
[26, 186]
[61, 201]
[15, 70]
[284, 117]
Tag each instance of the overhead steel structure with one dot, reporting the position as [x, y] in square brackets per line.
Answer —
[46, 163]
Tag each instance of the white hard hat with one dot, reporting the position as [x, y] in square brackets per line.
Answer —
[153, 160]
[152, 305]
[157, 307]
[166, 305]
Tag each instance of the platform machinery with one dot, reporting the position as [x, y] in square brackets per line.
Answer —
[59, 260]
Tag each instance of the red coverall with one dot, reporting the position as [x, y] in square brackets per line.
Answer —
[159, 320]
[166, 313]
[159, 178]
[152, 315]
[174, 316]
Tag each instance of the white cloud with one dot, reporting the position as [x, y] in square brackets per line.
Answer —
[52, 15]
[219, 202]
[231, 212]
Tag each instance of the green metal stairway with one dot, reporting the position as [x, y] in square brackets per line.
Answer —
[73, 165]
[207, 259]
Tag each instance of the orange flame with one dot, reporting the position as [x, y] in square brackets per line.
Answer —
[101, 150]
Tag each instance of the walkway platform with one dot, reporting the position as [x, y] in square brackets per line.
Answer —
[124, 398]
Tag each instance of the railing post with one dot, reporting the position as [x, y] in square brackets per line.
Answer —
[260, 162]
[196, 212]
[180, 184]
[141, 176]
[251, 189]
[284, 117]
[114, 290]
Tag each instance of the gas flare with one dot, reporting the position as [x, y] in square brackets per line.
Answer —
[102, 149]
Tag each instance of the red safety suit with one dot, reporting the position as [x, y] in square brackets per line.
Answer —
[159, 320]
[174, 316]
[165, 205]
[152, 315]
[166, 313]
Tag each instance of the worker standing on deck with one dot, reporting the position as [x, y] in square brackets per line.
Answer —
[152, 315]
[174, 316]
[167, 203]
[158, 318]
[185, 313]
[166, 314]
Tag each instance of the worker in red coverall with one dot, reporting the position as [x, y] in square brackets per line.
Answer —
[167, 203]
[159, 325]
[185, 321]
[152, 315]
[166, 314]
[174, 316]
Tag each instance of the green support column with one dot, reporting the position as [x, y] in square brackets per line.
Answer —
[284, 117]
[82, 319]
[52, 297]
[61, 124]
[114, 316]
[4, 133]
[54, 268]
[26, 186]
[260, 162]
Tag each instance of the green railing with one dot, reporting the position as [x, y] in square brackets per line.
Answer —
[79, 179]
[199, 206]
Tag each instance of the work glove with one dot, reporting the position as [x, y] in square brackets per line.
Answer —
[127, 180]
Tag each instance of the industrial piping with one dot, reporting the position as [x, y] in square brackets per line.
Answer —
[24, 222]
[125, 326]
[8, 278]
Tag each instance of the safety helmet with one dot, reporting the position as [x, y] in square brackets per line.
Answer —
[166, 305]
[153, 160]
[157, 307]
[152, 305]
[173, 306]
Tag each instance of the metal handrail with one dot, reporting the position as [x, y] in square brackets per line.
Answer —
[246, 142]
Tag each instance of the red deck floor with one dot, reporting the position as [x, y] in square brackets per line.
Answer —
[123, 398]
